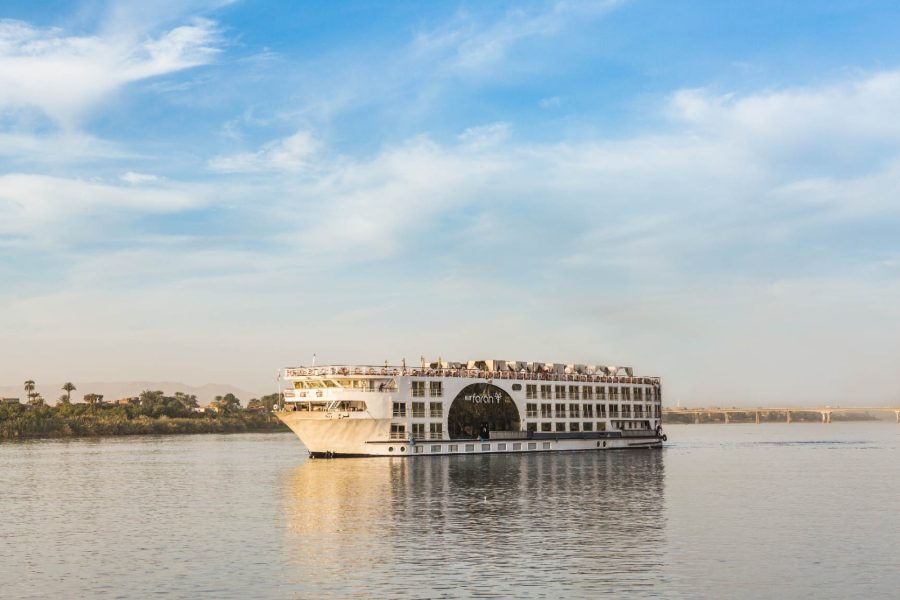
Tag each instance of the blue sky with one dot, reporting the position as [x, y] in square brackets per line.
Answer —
[209, 190]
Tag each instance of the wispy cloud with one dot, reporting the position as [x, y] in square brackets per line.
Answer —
[474, 44]
[64, 75]
[290, 154]
[41, 211]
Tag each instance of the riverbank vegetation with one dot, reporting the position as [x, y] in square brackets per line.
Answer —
[150, 413]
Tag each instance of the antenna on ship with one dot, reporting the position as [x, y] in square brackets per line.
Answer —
[314, 359]
[279, 398]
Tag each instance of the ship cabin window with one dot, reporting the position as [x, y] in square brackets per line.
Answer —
[546, 445]
[546, 427]
[308, 384]
[531, 411]
[398, 431]
[601, 411]
[587, 426]
[546, 411]
[587, 392]
[532, 445]
[435, 449]
[485, 447]
[530, 391]
[436, 410]
[574, 411]
[560, 426]
[626, 393]
[601, 392]
[560, 411]
[531, 426]
[418, 389]
[399, 409]
[470, 447]
[545, 392]
[638, 394]
[418, 430]
[356, 384]
[588, 411]
[436, 389]
[517, 387]
[613, 393]
[436, 430]
[601, 426]
[574, 427]
[417, 449]
[517, 445]
[418, 410]
[573, 392]
[452, 448]
[501, 446]
[560, 391]
[626, 411]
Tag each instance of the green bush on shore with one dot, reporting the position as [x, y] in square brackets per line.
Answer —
[154, 414]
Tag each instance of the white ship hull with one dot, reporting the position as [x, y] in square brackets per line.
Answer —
[367, 411]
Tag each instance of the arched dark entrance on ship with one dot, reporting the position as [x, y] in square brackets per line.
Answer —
[480, 408]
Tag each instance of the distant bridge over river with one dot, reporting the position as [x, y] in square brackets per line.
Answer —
[728, 414]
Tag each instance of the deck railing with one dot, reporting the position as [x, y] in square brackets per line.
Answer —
[388, 371]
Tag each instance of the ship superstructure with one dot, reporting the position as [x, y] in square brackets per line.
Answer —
[477, 406]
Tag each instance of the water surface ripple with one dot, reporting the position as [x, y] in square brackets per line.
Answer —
[738, 511]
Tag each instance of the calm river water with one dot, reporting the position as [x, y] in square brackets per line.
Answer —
[725, 511]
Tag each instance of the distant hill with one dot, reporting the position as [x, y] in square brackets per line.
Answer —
[112, 390]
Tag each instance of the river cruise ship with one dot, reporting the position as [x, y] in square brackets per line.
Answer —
[477, 406]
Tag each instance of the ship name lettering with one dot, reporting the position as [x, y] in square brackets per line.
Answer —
[486, 398]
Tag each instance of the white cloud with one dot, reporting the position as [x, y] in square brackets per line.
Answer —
[847, 112]
[41, 211]
[472, 45]
[64, 76]
[291, 154]
[549, 102]
[486, 135]
[137, 178]
[59, 147]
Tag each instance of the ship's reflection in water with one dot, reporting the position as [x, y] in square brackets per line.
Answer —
[501, 526]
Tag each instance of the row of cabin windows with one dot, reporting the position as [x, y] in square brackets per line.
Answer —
[588, 392]
[574, 426]
[434, 431]
[435, 410]
[576, 411]
[435, 389]
[565, 426]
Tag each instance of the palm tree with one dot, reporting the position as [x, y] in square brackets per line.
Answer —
[69, 388]
[188, 401]
[35, 399]
[226, 404]
[29, 388]
[149, 398]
